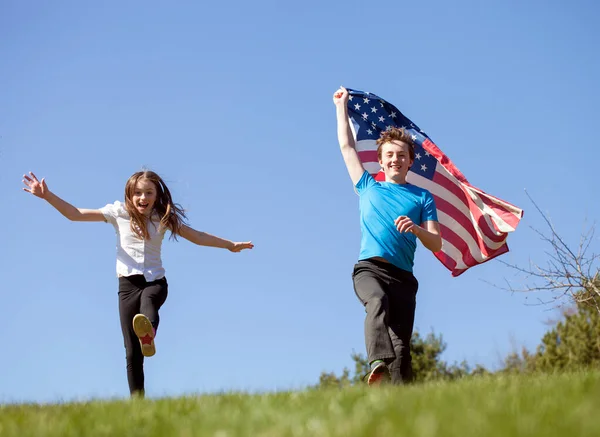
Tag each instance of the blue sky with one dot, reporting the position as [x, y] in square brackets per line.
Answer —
[231, 103]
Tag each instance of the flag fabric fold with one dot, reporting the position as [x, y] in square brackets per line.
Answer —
[474, 224]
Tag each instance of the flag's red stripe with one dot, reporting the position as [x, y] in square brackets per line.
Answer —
[380, 177]
[448, 262]
[368, 156]
[434, 150]
[458, 272]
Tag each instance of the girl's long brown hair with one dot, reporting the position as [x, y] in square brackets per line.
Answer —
[172, 216]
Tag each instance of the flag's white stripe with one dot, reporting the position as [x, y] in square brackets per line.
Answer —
[453, 253]
[366, 145]
[354, 128]
[372, 167]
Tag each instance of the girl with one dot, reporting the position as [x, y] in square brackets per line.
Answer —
[140, 223]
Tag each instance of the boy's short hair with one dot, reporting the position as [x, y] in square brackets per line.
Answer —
[396, 134]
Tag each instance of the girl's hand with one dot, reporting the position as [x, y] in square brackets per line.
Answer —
[340, 97]
[35, 187]
[238, 247]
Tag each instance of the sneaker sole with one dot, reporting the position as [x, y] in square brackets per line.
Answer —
[380, 375]
[142, 328]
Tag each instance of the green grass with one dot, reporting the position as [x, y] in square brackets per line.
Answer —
[560, 405]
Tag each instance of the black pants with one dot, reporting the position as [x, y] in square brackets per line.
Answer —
[389, 296]
[137, 296]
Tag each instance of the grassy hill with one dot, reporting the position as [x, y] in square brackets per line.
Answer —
[557, 405]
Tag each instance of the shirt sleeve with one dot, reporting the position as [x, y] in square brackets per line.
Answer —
[429, 211]
[112, 211]
[365, 182]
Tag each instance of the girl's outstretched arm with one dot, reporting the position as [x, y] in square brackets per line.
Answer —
[204, 239]
[40, 189]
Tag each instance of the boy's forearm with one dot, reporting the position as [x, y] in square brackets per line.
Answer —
[344, 132]
[430, 240]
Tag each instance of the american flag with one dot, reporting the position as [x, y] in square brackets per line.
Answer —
[474, 225]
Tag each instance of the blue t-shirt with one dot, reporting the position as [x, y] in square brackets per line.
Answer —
[380, 204]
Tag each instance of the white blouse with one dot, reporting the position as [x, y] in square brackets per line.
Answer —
[135, 256]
